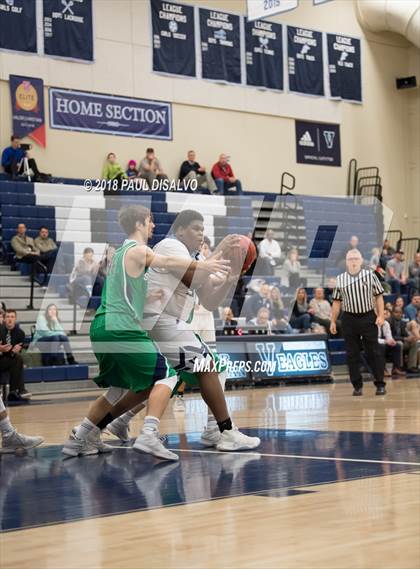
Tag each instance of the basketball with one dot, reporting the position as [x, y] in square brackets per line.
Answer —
[242, 257]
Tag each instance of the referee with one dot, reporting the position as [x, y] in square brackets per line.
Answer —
[358, 293]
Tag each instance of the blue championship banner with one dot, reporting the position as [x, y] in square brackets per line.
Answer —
[27, 96]
[344, 67]
[173, 38]
[264, 54]
[318, 143]
[289, 359]
[18, 25]
[220, 46]
[95, 112]
[68, 29]
[305, 61]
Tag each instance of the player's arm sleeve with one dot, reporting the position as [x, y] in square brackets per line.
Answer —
[377, 286]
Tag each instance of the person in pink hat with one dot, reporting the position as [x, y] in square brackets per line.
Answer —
[132, 171]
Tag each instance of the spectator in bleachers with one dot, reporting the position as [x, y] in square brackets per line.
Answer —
[50, 333]
[132, 171]
[269, 252]
[401, 333]
[224, 177]
[413, 328]
[414, 276]
[47, 247]
[112, 170]
[26, 250]
[329, 289]
[395, 272]
[84, 278]
[151, 168]
[410, 311]
[262, 320]
[256, 301]
[13, 160]
[352, 244]
[386, 253]
[105, 262]
[392, 350]
[12, 342]
[192, 170]
[301, 315]
[229, 323]
[399, 302]
[2, 313]
[292, 269]
[278, 318]
[322, 310]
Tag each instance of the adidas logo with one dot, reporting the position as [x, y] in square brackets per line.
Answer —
[306, 140]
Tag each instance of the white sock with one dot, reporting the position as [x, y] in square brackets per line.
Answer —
[211, 421]
[126, 418]
[6, 426]
[151, 425]
[85, 428]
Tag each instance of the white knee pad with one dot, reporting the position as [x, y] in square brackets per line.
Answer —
[222, 379]
[170, 382]
[114, 394]
[2, 407]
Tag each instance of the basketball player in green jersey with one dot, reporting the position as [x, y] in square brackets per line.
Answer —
[128, 359]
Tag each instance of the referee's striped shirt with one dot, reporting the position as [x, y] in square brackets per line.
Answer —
[357, 292]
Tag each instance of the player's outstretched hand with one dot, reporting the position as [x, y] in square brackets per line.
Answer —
[215, 264]
[228, 242]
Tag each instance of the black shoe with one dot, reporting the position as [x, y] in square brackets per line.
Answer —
[381, 390]
[358, 392]
[413, 370]
[16, 398]
[24, 393]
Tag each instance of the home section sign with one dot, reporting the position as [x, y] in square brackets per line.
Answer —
[173, 38]
[220, 46]
[318, 143]
[264, 54]
[95, 112]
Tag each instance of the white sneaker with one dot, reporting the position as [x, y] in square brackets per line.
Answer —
[95, 440]
[179, 404]
[151, 444]
[119, 429]
[78, 447]
[210, 436]
[14, 441]
[235, 440]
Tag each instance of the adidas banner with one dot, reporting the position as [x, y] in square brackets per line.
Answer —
[344, 67]
[68, 29]
[305, 61]
[173, 38]
[18, 25]
[220, 46]
[264, 54]
[318, 143]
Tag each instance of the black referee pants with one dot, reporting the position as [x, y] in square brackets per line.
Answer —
[360, 332]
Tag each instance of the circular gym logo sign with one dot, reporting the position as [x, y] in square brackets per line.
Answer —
[26, 97]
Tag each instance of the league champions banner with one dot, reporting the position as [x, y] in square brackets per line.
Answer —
[27, 96]
[305, 61]
[18, 25]
[173, 38]
[96, 112]
[264, 54]
[220, 46]
[318, 143]
[68, 29]
[344, 67]
[258, 9]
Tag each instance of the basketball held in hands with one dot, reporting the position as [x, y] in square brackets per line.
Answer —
[241, 257]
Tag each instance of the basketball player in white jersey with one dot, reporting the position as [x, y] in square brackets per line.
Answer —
[168, 321]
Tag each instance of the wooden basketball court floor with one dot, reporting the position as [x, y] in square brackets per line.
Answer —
[335, 484]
